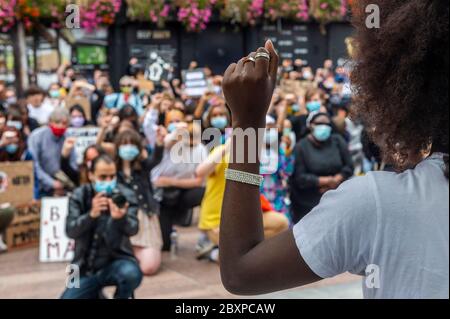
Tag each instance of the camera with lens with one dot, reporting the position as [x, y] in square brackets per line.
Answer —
[118, 198]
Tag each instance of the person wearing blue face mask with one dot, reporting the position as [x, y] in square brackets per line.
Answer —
[313, 103]
[102, 230]
[218, 118]
[322, 163]
[12, 147]
[134, 167]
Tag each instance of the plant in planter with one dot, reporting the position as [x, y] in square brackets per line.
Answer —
[195, 15]
[287, 9]
[53, 11]
[96, 13]
[156, 11]
[31, 12]
[7, 14]
[326, 11]
[242, 12]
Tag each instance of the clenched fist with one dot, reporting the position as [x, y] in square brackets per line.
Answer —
[248, 87]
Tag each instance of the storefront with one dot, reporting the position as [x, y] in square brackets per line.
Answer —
[219, 45]
[165, 36]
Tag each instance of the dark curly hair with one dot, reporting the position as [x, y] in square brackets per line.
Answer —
[401, 78]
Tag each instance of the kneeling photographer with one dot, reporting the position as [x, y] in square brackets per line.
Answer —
[102, 217]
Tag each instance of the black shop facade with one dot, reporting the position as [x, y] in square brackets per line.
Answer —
[173, 48]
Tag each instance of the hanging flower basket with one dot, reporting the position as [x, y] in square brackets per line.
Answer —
[241, 12]
[195, 15]
[31, 12]
[7, 15]
[98, 13]
[326, 11]
[296, 10]
[155, 11]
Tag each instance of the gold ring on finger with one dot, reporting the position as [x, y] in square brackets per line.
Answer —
[250, 59]
[262, 55]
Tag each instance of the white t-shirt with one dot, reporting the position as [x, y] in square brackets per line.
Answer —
[393, 228]
[42, 113]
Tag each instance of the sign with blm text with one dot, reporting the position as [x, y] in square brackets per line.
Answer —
[85, 137]
[55, 246]
[195, 82]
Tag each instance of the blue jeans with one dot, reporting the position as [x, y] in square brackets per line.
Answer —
[123, 273]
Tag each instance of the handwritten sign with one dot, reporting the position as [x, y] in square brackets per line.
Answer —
[24, 228]
[195, 82]
[85, 137]
[16, 182]
[55, 246]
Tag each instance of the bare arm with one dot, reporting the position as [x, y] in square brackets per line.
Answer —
[186, 183]
[250, 264]
[209, 165]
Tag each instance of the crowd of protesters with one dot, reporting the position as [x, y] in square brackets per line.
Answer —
[319, 148]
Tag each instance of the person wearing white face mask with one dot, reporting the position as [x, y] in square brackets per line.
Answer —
[322, 163]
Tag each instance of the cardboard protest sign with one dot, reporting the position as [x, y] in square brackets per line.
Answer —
[195, 82]
[54, 245]
[85, 137]
[16, 182]
[83, 102]
[24, 228]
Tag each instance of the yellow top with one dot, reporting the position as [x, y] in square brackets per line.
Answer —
[212, 200]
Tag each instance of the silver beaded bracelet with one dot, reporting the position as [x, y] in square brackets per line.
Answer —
[243, 177]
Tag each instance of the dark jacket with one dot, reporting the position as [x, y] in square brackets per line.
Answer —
[139, 183]
[115, 234]
[313, 161]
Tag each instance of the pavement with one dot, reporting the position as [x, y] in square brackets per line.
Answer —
[22, 276]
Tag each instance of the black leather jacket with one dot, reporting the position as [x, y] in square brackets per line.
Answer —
[115, 235]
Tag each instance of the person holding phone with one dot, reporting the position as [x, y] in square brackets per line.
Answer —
[102, 217]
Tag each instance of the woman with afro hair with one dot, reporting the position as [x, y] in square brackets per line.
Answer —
[391, 227]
